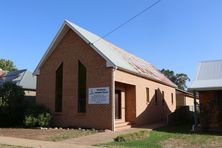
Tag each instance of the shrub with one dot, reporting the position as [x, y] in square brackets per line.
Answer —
[15, 111]
[11, 104]
[37, 115]
[140, 135]
[44, 119]
[30, 121]
[35, 109]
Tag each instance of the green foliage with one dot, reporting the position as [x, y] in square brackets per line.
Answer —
[179, 79]
[30, 121]
[140, 135]
[7, 65]
[44, 119]
[11, 104]
[169, 74]
[14, 111]
[37, 115]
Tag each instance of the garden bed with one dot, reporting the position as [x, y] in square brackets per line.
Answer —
[50, 134]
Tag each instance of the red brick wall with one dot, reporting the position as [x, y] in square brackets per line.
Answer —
[210, 105]
[206, 96]
[71, 49]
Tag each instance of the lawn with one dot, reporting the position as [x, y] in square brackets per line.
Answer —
[45, 134]
[171, 137]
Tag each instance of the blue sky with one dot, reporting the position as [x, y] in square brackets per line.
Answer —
[175, 34]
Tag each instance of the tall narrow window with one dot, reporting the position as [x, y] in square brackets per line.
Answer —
[172, 98]
[147, 95]
[163, 97]
[81, 88]
[58, 90]
[156, 97]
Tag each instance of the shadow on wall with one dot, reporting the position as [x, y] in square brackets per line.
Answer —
[156, 111]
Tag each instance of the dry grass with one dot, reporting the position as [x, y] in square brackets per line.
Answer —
[188, 143]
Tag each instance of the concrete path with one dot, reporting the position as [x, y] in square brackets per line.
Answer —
[109, 136]
[38, 143]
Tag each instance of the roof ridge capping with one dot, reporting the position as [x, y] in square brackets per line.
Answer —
[75, 28]
[208, 61]
[115, 56]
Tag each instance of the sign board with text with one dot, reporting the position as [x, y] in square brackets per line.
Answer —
[98, 95]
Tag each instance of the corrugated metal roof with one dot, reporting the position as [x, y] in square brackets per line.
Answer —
[123, 59]
[113, 54]
[22, 78]
[106, 48]
[208, 76]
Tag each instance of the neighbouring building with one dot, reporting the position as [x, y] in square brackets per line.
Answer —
[208, 84]
[87, 81]
[184, 98]
[22, 78]
[2, 72]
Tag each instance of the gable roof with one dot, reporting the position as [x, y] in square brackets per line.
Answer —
[208, 76]
[115, 57]
[186, 93]
[22, 78]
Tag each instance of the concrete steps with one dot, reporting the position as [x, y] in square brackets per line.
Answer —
[121, 125]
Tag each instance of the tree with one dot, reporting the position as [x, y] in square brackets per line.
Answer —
[169, 74]
[7, 65]
[16, 111]
[179, 79]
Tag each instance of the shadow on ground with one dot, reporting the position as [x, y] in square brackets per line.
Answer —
[184, 129]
